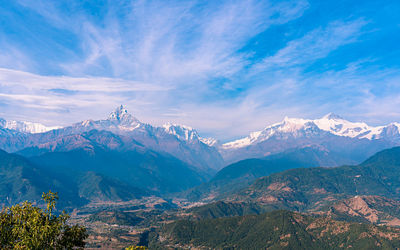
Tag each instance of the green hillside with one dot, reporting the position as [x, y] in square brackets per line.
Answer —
[96, 187]
[148, 170]
[241, 174]
[224, 209]
[116, 217]
[21, 180]
[310, 188]
[275, 230]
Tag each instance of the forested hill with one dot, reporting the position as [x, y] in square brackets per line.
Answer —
[309, 188]
[275, 230]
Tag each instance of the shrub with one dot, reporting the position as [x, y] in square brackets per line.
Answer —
[25, 226]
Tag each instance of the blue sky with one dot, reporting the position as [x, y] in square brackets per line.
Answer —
[223, 67]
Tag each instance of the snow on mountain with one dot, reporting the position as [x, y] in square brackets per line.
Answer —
[338, 126]
[124, 119]
[179, 141]
[119, 121]
[331, 123]
[187, 133]
[210, 141]
[289, 126]
[181, 131]
[26, 127]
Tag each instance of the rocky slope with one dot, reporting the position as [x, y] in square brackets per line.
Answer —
[366, 208]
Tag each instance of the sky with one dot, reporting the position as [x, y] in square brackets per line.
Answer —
[225, 68]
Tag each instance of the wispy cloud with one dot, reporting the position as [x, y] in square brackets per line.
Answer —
[13, 58]
[314, 45]
[224, 67]
[35, 96]
[167, 42]
[14, 79]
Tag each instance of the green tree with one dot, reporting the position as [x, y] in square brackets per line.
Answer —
[25, 226]
[136, 248]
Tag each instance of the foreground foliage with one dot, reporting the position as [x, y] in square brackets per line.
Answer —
[136, 248]
[25, 226]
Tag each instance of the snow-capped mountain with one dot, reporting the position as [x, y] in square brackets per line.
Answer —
[331, 123]
[331, 131]
[119, 121]
[353, 140]
[123, 120]
[179, 141]
[187, 133]
[25, 127]
[181, 131]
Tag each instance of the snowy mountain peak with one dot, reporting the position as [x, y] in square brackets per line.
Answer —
[290, 123]
[331, 123]
[332, 116]
[120, 113]
[187, 133]
[121, 116]
[338, 126]
[169, 125]
[26, 127]
[181, 131]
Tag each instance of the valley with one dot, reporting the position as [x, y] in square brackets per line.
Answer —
[130, 183]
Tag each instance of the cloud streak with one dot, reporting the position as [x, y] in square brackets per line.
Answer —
[224, 67]
[177, 43]
[314, 45]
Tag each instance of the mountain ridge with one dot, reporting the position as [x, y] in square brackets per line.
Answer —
[25, 126]
[182, 142]
[353, 141]
[309, 189]
[329, 123]
[273, 230]
[122, 119]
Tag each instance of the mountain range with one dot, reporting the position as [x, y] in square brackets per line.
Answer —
[120, 170]
[25, 127]
[181, 142]
[122, 151]
[351, 142]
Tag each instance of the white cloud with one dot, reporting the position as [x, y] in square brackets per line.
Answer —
[314, 45]
[13, 58]
[60, 99]
[163, 42]
[18, 79]
[169, 51]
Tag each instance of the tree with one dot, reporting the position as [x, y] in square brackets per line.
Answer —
[136, 248]
[25, 226]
